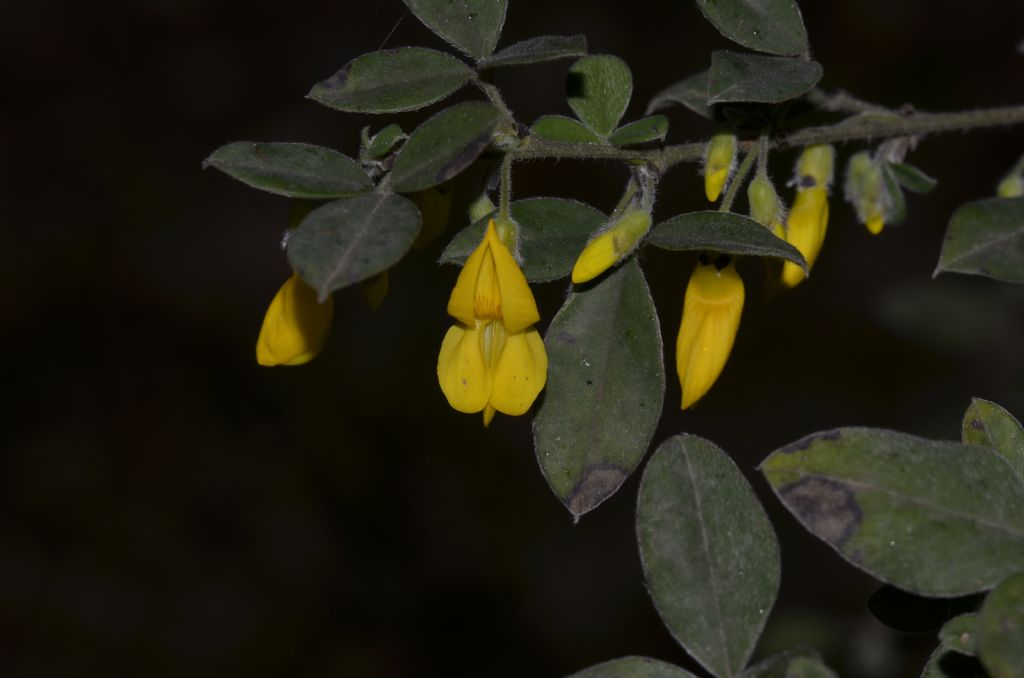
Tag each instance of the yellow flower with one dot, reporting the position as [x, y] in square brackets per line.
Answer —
[719, 159]
[711, 316]
[492, 360]
[808, 219]
[805, 230]
[295, 326]
[865, 189]
[611, 246]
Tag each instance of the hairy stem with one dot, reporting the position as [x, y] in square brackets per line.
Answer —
[869, 125]
[738, 179]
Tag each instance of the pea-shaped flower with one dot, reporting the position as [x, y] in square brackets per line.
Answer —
[611, 245]
[295, 326]
[492, 359]
[808, 218]
[711, 317]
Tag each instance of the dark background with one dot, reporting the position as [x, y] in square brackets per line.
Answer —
[169, 508]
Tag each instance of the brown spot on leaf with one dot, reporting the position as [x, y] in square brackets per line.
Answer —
[598, 483]
[828, 508]
[338, 80]
[464, 158]
[977, 425]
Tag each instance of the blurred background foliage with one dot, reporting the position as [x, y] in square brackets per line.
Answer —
[166, 506]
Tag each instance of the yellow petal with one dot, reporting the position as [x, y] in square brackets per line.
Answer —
[375, 289]
[462, 371]
[518, 309]
[488, 415]
[295, 326]
[597, 257]
[520, 374]
[875, 225]
[435, 206]
[714, 182]
[711, 317]
[462, 303]
[805, 230]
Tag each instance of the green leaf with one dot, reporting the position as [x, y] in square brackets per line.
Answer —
[960, 633]
[691, 92]
[988, 424]
[293, 170]
[552, 233]
[934, 518]
[599, 88]
[384, 141]
[898, 203]
[801, 663]
[755, 78]
[725, 232]
[913, 179]
[392, 80]
[773, 26]
[986, 237]
[538, 50]
[1001, 629]
[633, 667]
[652, 128]
[472, 26]
[444, 145]
[348, 241]
[946, 663]
[709, 554]
[563, 129]
[606, 384]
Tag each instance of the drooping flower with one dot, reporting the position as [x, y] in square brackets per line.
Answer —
[711, 317]
[865, 190]
[719, 161]
[611, 245]
[808, 218]
[295, 326]
[492, 359]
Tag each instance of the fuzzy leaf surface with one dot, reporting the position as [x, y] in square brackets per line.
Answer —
[552, 233]
[538, 50]
[633, 667]
[606, 384]
[392, 80]
[773, 26]
[347, 241]
[756, 78]
[642, 131]
[724, 232]
[565, 130]
[986, 237]
[986, 423]
[472, 26]
[709, 554]
[934, 518]
[599, 88]
[444, 145]
[292, 170]
[1001, 629]
[691, 92]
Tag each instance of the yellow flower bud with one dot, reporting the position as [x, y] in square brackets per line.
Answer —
[1011, 186]
[611, 246]
[865, 190]
[719, 160]
[295, 326]
[805, 230]
[711, 317]
[375, 289]
[765, 206]
[435, 205]
[815, 166]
